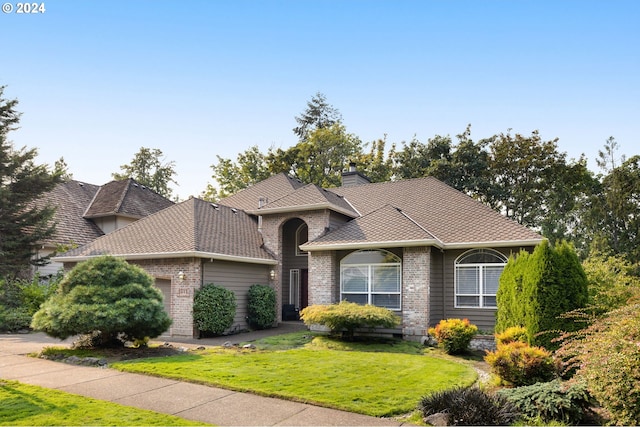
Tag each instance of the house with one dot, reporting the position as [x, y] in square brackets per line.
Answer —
[418, 247]
[85, 212]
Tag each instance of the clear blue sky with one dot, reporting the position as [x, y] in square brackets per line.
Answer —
[97, 80]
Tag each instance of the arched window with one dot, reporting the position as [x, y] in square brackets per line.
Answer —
[371, 277]
[302, 236]
[476, 276]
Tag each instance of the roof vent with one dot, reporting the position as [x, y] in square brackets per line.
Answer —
[215, 206]
[234, 210]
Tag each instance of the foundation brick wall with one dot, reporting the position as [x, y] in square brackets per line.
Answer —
[182, 291]
[415, 291]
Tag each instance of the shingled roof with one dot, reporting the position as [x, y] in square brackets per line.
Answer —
[386, 226]
[125, 198]
[71, 199]
[273, 188]
[193, 228]
[453, 219]
[309, 197]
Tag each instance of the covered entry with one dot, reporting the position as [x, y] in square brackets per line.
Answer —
[295, 271]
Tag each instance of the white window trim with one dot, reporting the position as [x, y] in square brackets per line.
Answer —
[369, 292]
[294, 287]
[481, 291]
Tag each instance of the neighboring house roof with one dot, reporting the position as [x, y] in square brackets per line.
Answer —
[193, 228]
[454, 219]
[272, 188]
[309, 197]
[70, 199]
[125, 198]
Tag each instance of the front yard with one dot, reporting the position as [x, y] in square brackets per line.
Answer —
[378, 379]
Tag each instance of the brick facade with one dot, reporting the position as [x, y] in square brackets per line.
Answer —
[415, 291]
[324, 278]
[182, 289]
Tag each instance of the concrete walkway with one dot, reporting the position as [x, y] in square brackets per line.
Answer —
[190, 401]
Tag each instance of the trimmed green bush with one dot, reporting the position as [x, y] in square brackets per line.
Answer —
[20, 299]
[214, 308]
[469, 407]
[345, 317]
[552, 402]
[454, 335]
[108, 295]
[518, 364]
[261, 306]
[537, 289]
[14, 319]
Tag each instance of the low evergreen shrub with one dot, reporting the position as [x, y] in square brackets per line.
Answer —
[454, 335]
[552, 402]
[14, 319]
[518, 364]
[514, 333]
[214, 308]
[261, 306]
[469, 406]
[345, 317]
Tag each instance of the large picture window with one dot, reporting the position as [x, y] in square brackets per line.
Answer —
[371, 277]
[476, 276]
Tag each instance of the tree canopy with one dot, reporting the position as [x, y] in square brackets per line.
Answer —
[149, 169]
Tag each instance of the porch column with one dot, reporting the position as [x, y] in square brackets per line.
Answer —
[415, 291]
[324, 286]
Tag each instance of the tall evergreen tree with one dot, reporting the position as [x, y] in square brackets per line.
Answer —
[22, 182]
[149, 169]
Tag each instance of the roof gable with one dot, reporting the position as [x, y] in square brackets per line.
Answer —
[387, 226]
[191, 228]
[309, 197]
[272, 188]
[125, 198]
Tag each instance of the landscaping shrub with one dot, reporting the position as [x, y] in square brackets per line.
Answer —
[20, 299]
[214, 308]
[469, 406]
[345, 317]
[454, 335]
[519, 364]
[555, 401]
[536, 289]
[512, 334]
[104, 294]
[607, 357]
[261, 307]
[14, 319]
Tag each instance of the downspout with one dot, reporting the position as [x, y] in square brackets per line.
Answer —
[444, 287]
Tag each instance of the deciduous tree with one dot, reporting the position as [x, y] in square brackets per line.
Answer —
[149, 169]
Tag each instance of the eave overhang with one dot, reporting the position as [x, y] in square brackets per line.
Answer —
[311, 207]
[168, 255]
[310, 247]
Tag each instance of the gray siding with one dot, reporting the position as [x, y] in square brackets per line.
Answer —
[237, 277]
[483, 318]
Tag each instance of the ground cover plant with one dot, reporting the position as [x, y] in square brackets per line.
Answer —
[378, 378]
[23, 404]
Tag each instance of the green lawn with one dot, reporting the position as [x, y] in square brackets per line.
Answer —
[375, 379]
[22, 404]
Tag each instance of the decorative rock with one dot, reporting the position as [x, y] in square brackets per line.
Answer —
[439, 419]
[227, 344]
[249, 346]
[201, 348]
